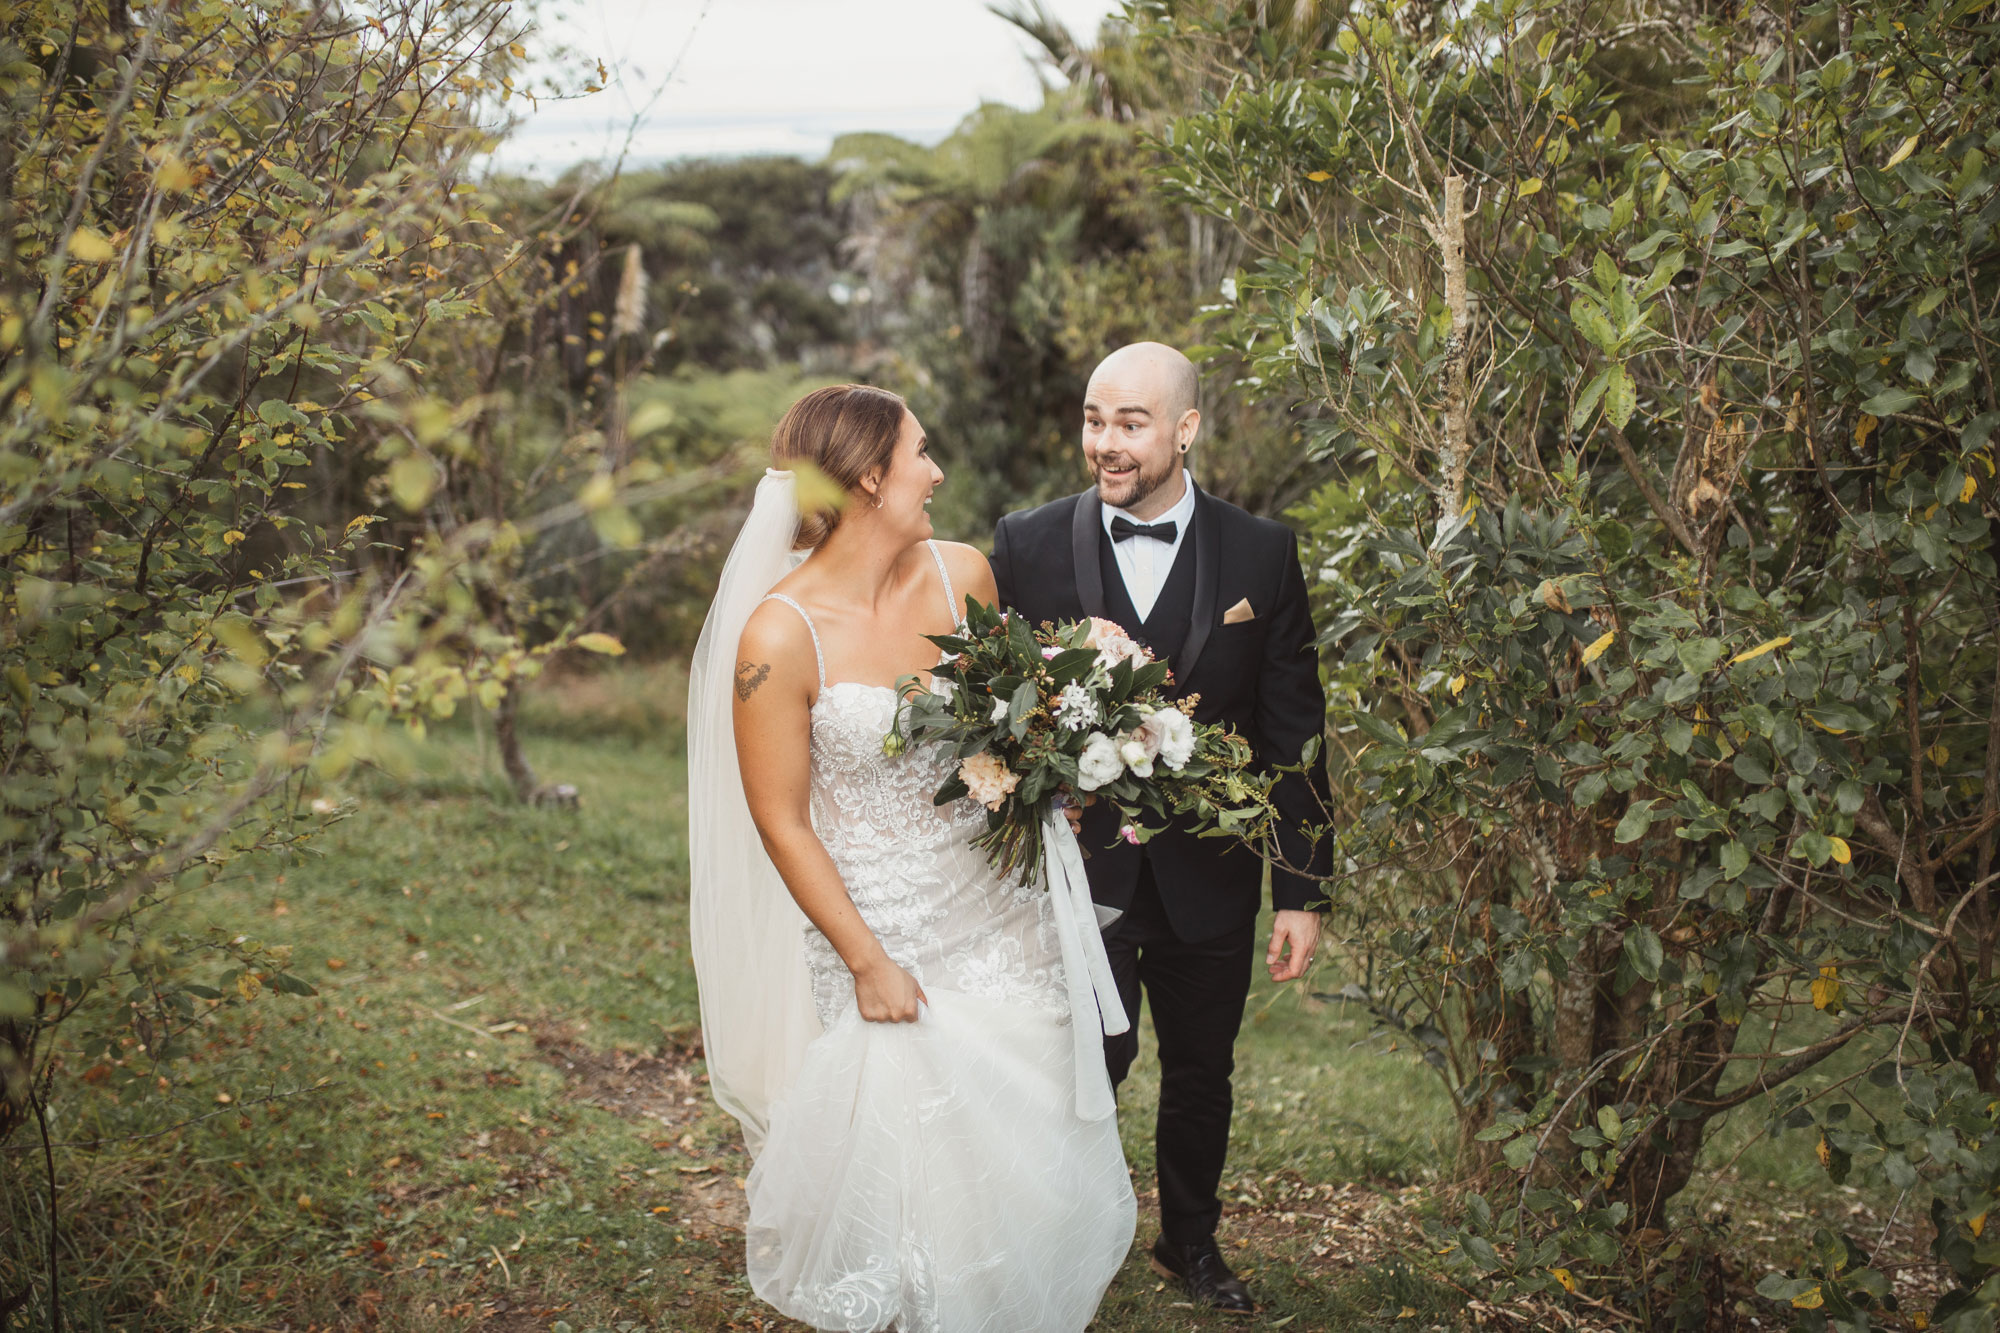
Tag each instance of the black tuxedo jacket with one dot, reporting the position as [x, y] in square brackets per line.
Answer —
[1259, 676]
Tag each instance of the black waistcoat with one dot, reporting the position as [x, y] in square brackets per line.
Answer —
[1165, 628]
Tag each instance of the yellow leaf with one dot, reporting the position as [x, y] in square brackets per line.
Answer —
[1939, 754]
[411, 480]
[1809, 1300]
[1563, 1276]
[231, 537]
[1967, 491]
[89, 246]
[1767, 646]
[1831, 731]
[173, 175]
[1598, 645]
[1863, 429]
[1909, 146]
[1532, 185]
[1457, 685]
[1319, 175]
[1826, 988]
[1978, 1224]
[1824, 1151]
[1841, 851]
[600, 643]
[1921, 1322]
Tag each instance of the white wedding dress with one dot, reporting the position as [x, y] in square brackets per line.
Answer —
[932, 1177]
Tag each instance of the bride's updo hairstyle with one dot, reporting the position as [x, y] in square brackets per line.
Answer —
[844, 431]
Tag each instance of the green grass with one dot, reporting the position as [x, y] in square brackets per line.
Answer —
[426, 1145]
[489, 1118]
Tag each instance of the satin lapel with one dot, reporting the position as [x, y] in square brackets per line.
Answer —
[1085, 526]
[1207, 575]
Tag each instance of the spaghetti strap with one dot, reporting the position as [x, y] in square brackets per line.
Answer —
[950, 598]
[819, 658]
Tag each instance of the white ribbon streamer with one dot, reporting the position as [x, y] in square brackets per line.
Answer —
[1095, 1011]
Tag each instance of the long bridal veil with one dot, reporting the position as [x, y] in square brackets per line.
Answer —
[744, 929]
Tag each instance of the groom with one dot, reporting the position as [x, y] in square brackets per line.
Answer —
[1219, 594]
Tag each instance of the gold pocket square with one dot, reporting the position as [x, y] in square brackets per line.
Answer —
[1239, 613]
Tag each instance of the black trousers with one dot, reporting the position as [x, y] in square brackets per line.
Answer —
[1196, 992]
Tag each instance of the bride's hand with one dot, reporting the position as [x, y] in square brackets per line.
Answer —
[1073, 808]
[888, 994]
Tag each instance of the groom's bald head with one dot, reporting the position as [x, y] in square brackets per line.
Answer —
[1166, 371]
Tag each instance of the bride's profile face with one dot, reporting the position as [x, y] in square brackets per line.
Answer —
[906, 490]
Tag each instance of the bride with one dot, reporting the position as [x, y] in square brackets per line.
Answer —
[890, 1020]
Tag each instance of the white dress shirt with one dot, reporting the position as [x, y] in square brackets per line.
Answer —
[1145, 562]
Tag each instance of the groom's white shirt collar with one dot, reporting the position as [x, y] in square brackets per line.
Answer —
[1144, 562]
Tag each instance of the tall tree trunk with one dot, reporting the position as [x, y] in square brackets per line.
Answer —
[1457, 447]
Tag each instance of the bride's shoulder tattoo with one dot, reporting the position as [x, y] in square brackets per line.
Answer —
[750, 676]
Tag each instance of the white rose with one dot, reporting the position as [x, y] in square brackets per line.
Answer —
[1133, 752]
[1099, 763]
[1176, 733]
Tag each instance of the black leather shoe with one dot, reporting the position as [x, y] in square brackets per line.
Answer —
[1200, 1269]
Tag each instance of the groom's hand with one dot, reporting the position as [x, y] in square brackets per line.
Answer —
[1298, 932]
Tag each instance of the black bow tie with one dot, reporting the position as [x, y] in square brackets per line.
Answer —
[1123, 527]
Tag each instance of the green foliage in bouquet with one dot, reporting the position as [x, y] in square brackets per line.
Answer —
[1034, 713]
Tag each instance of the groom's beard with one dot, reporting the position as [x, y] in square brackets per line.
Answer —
[1124, 492]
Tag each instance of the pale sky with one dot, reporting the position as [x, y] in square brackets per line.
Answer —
[772, 76]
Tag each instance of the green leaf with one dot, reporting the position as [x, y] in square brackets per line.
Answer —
[1594, 324]
[1019, 705]
[1604, 273]
[1664, 272]
[1587, 402]
[1889, 402]
[1751, 769]
[1646, 954]
[1638, 818]
[1621, 398]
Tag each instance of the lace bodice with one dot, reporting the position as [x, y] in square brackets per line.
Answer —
[940, 911]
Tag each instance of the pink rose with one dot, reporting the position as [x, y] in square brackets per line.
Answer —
[1104, 631]
[1129, 833]
[988, 780]
[1113, 643]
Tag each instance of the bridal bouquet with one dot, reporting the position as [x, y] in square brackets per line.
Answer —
[1068, 710]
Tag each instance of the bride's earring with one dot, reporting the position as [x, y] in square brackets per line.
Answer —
[878, 503]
